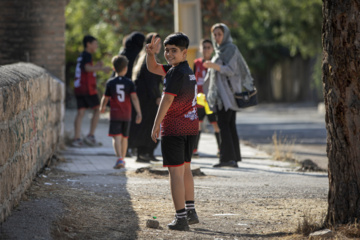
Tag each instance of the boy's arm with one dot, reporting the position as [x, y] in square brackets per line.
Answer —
[209, 64]
[151, 63]
[103, 103]
[97, 67]
[229, 69]
[153, 66]
[164, 106]
[136, 103]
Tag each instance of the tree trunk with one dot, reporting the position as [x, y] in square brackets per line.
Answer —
[341, 78]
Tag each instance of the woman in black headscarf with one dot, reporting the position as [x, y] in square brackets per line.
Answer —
[133, 45]
[148, 91]
[228, 73]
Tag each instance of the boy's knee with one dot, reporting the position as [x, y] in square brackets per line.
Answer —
[187, 168]
[96, 111]
[176, 171]
[80, 113]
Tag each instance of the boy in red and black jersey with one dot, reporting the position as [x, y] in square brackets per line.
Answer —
[119, 90]
[86, 91]
[181, 118]
[207, 49]
[177, 115]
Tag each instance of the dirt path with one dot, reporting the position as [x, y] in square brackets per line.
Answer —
[231, 205]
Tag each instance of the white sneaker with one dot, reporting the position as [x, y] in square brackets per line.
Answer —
[91, 141]
[77, 143]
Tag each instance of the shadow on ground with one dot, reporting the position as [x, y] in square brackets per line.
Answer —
[63, 205]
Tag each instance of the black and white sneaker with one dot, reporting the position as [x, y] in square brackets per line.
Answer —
[144, 158]
[154, 159]
[77, 143]
[91, 141]
[226, 164]
[180, 224]
[195, 154]
[192, 217]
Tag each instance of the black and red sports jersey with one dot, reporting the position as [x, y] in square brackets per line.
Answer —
[85, 82]
[181, 119]
[200, 73]
[119, 90]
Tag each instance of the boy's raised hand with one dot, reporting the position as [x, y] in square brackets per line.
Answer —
[150, 47]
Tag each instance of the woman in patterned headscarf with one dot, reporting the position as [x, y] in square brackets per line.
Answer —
[228, 73]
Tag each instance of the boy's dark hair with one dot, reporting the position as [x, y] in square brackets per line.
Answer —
[178, 39]
[206, 40]
[88, 39]
[119, 62]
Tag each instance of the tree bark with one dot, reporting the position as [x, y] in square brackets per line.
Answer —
[341, 78]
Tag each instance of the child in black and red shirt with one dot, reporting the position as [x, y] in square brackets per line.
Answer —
[177, 115]
[86, 91]
[207, 49]
[119, 90]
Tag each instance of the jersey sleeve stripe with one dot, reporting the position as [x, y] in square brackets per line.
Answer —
[163, 68]
[171, 93]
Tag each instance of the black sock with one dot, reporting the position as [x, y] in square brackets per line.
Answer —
[218, 140]
[181, 213]
[189, 205]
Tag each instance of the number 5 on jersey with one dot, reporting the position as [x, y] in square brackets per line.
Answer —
[120, 92]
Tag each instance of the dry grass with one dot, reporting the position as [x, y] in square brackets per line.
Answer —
[283, 148]
[311, 223]
[349, 230]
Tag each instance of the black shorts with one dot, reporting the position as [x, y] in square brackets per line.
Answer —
[202, 114]
[88, 101]
[119, 128]
[177, 149]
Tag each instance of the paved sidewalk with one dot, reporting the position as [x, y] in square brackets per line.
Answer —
[98, 159]
[95, 159]
[300, 127]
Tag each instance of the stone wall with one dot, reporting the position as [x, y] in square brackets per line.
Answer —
[33, 31]
[31, 127]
